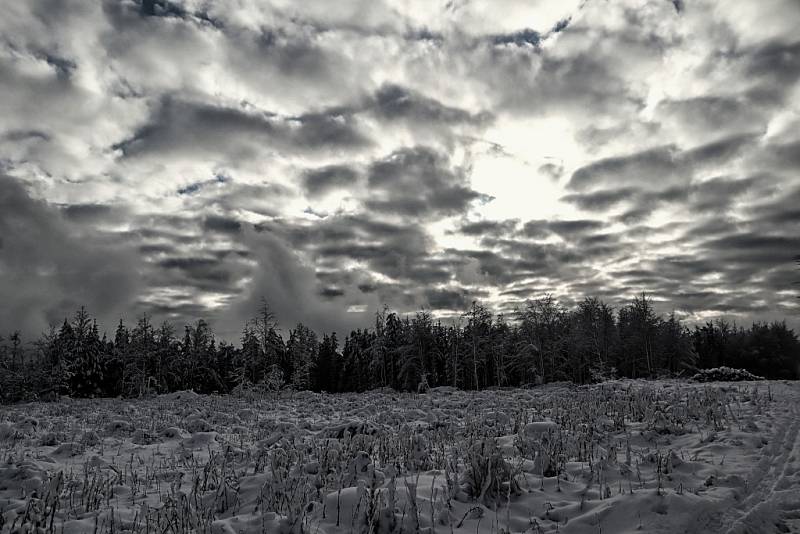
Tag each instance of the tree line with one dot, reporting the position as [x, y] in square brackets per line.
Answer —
[544, 342]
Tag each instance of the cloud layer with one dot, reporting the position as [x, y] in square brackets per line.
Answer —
[184, 158]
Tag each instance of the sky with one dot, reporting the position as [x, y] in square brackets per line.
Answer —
[185, 159]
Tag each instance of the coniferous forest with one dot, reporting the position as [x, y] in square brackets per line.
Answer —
[544, 342]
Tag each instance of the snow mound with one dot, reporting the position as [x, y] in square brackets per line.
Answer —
[352, 427]
[7, 432]
[539, 428]
[198, 424]
[27, 426]
[67, 450]
[90, 438]
[181, 395]
[119, 427]
[50, 439]
[200, 440]
[247, 414]
[725, 374]
[144, 437]
[173, 433]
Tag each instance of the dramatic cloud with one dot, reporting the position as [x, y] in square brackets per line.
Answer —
[185, 158]
[49, 266]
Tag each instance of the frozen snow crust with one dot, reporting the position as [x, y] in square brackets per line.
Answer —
[617, 457]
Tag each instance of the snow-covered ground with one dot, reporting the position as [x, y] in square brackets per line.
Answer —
[618, 457]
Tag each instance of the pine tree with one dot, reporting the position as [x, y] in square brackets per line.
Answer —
[478, 325]
[377, 349]
[266, 329]
[249, 357]
[638, 326]
[81, 351]
[302, 349]
[141, 352]
[165, 354]
[544, 326]
[327, 368]
[676, 346]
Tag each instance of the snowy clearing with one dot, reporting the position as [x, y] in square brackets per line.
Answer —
[623, 456]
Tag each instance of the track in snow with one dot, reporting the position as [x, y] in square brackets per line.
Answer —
[772, 499]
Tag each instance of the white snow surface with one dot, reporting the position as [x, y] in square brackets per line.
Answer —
[618, 457]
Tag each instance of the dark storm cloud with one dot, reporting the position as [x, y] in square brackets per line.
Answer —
[568, 230]
[754, 250]
[418, 182]
[278, 53]
[50, 269]
[782, 157]
[714, 195]
[584, 80]
[295, 55]
[201, 128]
[634, 215]
[205, 243]
[525, 76]
[526, 37]
[317, 182]
[513, 260]
[718, 152]
[64, 67]
[718, 194]
[657, 164]
[203, 270]
[398, 251]
[179, 228]
[395, 102]
[715, 115]
[595, 138]
[448, 299]
[605, 244]
[778, 213]
[24, 135]
[224, 225]
[94, 213]
[745, 257]
[401, 252]
[367, 287]
[491, 228]
[664, 165]
[600, 200]
[291, 288]
[361, 235]
[776, 68]
[331, 292]
[156, 249]
[176, 311]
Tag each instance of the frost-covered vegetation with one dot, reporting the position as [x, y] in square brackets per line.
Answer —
[622, 456]
[544, 342]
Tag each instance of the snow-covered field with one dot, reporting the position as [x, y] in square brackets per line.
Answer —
[617, 457]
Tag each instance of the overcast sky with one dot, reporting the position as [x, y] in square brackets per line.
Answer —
[185, 158]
